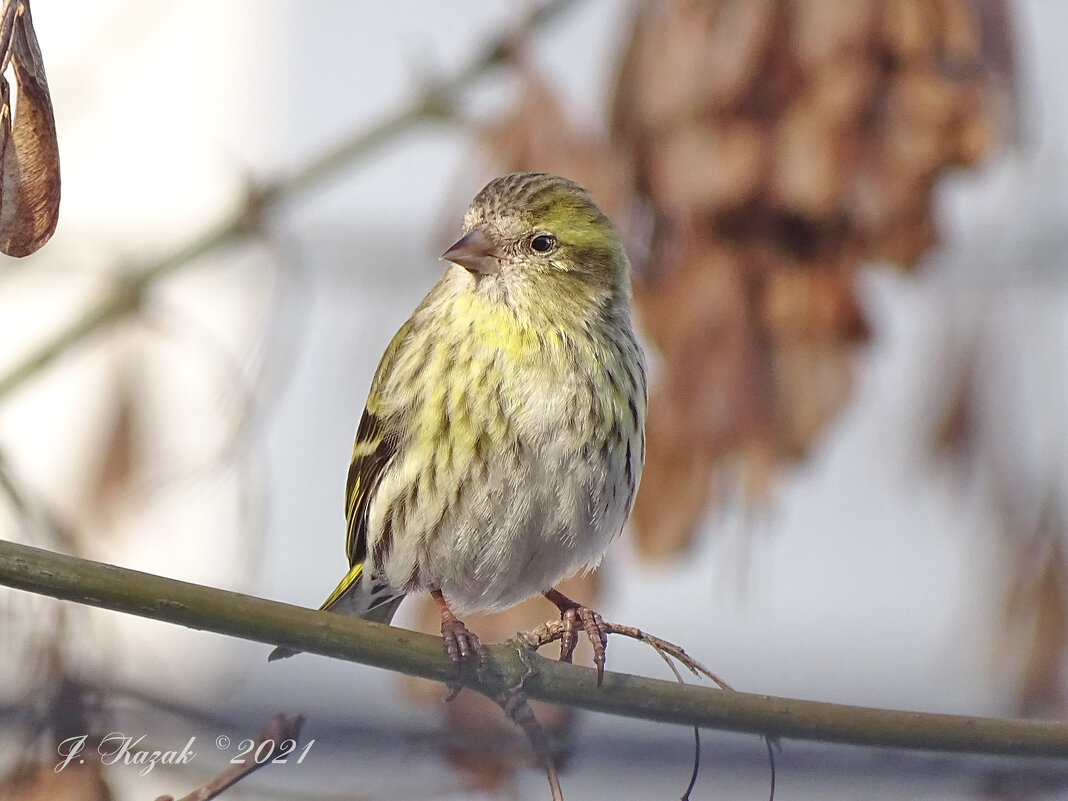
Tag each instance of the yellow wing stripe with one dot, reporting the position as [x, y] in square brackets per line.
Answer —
[350, 578]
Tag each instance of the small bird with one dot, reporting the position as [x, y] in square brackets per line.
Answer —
[504, 435]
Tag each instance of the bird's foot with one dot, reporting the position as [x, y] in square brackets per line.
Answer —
[460, 644]
[572, 616]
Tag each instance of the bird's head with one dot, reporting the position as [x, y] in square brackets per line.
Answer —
[538, 238]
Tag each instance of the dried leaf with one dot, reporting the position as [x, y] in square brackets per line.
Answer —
[962, 31]
[29, 150]
[830, 30]
[811, 305]
[813, 160]
[708, 168]
[689, 55]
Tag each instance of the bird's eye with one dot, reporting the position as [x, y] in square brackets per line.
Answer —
[543, 243]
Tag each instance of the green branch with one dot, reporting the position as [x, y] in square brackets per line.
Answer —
[434, 102]
[274, 623]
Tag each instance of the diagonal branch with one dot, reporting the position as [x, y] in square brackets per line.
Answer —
[433, 102]
[513, 701]
[260, 620]
[277, 732]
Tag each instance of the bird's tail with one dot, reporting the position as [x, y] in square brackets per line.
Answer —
[359, 595]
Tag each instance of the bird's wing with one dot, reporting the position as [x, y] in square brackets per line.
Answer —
[377, 438]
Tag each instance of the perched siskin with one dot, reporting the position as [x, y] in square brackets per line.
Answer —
[504, 434]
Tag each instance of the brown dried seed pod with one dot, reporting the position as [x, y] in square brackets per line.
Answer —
[814, 145]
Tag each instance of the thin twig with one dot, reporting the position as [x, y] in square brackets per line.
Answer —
[553, 630]
[770, 743]
[696, 731]
[277, 731]
[433, 103]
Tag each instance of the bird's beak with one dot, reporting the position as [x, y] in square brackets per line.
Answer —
[475, 252]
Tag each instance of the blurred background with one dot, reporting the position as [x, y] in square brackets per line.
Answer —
[846, 224]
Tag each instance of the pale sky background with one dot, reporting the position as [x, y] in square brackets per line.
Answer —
[862, 582]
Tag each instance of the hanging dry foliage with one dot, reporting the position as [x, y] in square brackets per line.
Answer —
[779, 144]
[29, 151]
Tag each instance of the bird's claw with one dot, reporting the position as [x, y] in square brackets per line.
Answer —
[461, 645]
[595, 629]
